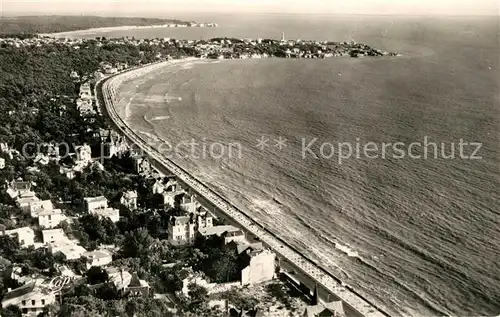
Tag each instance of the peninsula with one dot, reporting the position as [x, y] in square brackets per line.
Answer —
[60, 24]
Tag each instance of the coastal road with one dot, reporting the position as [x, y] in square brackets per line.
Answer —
[355, 304]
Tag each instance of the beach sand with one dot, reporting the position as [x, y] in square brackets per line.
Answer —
[96, 31]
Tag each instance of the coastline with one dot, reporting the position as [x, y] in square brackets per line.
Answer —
[291, 258]
[101, 30]
[112, 29]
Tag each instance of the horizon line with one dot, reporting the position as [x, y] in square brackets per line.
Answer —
[22, 15]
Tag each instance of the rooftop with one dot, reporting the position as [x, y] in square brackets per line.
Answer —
[25, 230]
[107, 212]
[50, 212]
[20, 185]
[334, 309]
[94, 199]
[42, 204]
[179, 220]
[20, 291]
[242, 247]
[130, 194]
[46, 234]
[217, 230]
[98, 254]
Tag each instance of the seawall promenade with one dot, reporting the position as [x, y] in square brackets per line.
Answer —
[308, 271]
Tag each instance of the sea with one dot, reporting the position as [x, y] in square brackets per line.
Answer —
[418, 233]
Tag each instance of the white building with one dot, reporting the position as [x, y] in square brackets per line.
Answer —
[95, 203]
[181, 231]
[85, 107]
[25, 236]
[53, 236]
[84, 153]
[170, 192]
[187, 202]
[4, 147]
[36, 207]
[50, 218]
[17, 188]
[57, 241]
[111, 213]
[30, 299]
[260, 268]
[70, 248]
[99, 206]
[26, 199]
[67, 171]
[142, 165]
[129, 199]
[2, 163]
[97, 258]
[85, 91]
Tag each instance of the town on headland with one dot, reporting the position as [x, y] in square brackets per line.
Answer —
[93, 225]
[216, 48]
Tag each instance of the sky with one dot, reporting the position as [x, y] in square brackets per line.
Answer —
[162, 8]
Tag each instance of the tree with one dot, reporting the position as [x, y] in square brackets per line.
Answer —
[171, 280]
[137, 244]
[96, 275]
[107, 292]
[226, 267]
[11, 311]
[197, 297]
[195, 259]
[134, 306]
[82, 290]
[8, 247]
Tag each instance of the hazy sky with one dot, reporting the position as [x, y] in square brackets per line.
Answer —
[162, 8]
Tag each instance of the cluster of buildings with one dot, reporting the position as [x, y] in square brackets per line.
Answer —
[84, 102]
[36, 292]
[99, 206]
[196, 221]
[220, 48]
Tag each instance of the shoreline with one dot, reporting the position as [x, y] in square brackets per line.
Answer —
[114, 28]
[100, 30]
[290, 257]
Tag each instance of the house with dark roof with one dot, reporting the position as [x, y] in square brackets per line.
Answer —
[181, 230]
[318, 308]
[137, 287]
[29, 298]
[126, 283]
[257, 263]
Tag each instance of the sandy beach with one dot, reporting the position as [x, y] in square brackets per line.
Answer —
[101, 30]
